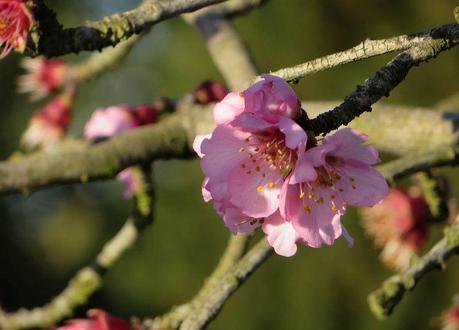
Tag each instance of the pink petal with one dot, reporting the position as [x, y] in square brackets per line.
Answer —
[281, 235]
[228, 109]
[251, 122]
[367, 188]
[294, 134]
[317, 222]
[205, 191]
[221, 152]
[304, 168]
[255, 192]
[198, 142]
[349, 145]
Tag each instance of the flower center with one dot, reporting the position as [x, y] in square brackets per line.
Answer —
[268, 150]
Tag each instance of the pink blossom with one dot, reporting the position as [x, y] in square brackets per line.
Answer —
[50, 124]
[98, 320]
[15, 22]
[259, 170]
[398, 225]
[44, 76]
[117, 119]
[326, 179]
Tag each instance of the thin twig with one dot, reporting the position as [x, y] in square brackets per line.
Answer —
[51, 39]
[207, 306]
[366, 49]
[386, 298]
[384, 81]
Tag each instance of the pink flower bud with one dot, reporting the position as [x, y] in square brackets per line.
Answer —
[50, 124]
[117, 119]
[15, 22]
[98, 320]
[44, 76]
[209, 92]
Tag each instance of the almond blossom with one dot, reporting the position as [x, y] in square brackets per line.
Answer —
[44, 76]
[98, 320]
[261, 170]
[16, 20]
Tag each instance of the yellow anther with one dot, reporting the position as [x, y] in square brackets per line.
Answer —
[260, 188]
[242, 149]
[280, 152]
[301, 194]
[319, 200]
[310, 196]
[271, 184]
[333, 208]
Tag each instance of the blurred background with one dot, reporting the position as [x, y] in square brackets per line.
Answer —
[47, 236]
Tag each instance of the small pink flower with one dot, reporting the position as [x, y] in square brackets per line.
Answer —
[326, 179]
[398, 225]
[16, 20]
[209, 92]
[261, 171]
[45, 76]
[117, 119]
[98, 320]
[50, 124]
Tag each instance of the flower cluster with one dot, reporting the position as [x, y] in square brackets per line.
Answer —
[44, 76]
[16, 20]
[49, 124]
[398, 225]
[262, 170]
[98, 320]
[117, 119]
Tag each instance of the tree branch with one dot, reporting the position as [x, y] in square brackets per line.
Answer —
[366, 49]
[394, 129]
[384, 81]
[385, 299]
[51, 39]
[89, 279]
[207, 305]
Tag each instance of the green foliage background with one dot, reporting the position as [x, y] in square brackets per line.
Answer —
[46, 237]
